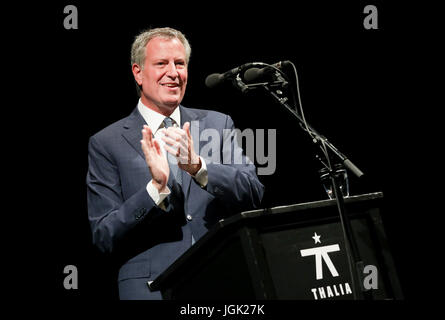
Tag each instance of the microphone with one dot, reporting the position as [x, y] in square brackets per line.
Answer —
[256, 73]
[216, 78]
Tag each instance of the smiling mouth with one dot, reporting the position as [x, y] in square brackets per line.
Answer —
[170, 85]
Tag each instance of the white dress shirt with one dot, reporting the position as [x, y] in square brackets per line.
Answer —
[154, 121]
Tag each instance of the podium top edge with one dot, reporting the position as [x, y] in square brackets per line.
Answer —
[311, 204]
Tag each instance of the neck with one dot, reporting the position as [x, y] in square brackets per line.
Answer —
[164, 110]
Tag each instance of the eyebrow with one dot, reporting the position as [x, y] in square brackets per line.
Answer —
[156, 60]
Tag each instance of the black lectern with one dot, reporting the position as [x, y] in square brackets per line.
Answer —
[288, 252]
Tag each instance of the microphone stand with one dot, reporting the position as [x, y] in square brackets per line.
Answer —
[355, 262]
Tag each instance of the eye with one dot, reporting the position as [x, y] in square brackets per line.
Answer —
[180, 63]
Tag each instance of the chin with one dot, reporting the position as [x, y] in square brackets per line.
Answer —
[168, 108]
[172, 103]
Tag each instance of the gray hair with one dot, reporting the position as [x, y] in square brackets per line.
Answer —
[141, 40]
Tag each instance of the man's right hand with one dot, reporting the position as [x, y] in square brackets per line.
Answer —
[156, 160]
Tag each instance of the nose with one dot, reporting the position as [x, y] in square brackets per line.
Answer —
[172, 72]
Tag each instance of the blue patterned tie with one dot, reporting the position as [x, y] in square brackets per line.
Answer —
[172, 162]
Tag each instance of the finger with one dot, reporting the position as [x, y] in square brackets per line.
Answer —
[171, 150]
[145, 149]
[186, 128]
[145, 135]
[171, 142]
[149, 136]
[143, 145]
[174, 133]
[179, 147]
[190, 150]
[150, 140]
[158, 147]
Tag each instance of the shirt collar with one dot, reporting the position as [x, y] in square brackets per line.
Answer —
[155, 119]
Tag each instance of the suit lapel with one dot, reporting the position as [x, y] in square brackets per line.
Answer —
[133, 130]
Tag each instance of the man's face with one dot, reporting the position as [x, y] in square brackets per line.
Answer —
[164, 77]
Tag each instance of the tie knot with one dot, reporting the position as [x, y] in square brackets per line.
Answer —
[168, 122]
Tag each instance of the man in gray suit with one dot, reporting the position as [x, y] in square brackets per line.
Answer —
[151, 194]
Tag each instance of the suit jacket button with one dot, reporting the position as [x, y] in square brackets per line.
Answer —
[140, 213]
[189, 217]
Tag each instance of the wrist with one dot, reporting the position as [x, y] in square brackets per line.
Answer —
[161, 188]
[195, 167]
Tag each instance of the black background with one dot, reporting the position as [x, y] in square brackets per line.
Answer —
[358, 88]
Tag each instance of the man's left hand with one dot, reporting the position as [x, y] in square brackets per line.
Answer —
[179, 143]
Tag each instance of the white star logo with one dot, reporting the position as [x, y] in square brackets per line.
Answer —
[316, 238]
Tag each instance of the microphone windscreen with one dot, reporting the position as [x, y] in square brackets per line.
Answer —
[213, 80]
[252, 74]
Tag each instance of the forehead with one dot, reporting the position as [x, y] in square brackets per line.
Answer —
[161, 48]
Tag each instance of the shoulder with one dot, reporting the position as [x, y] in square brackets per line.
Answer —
[115, 129]
[205, 115]
[109, 132]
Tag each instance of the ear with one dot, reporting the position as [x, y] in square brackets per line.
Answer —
[137, 73]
